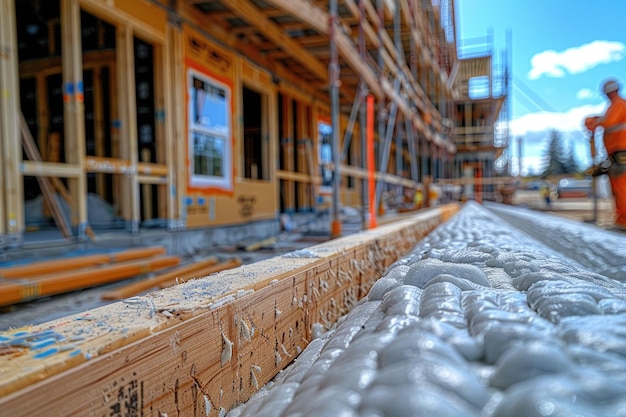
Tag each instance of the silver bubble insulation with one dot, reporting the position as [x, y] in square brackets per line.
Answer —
[480, 319]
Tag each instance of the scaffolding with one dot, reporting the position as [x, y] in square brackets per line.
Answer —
[294, 77]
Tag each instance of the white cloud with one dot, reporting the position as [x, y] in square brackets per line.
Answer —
[575, 60]
[570, 121]
[585, 93]
[533, 130]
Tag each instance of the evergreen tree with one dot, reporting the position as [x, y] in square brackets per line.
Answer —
[559, 158]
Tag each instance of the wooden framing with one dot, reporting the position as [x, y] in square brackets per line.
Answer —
[128, 116]
[45, 184]
[277, 47]
[74, 110]
[175, 158]
[224, 337]
[248, 11]
[12, 223]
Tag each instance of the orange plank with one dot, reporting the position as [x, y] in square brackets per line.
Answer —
[57, 265]
[19, 291]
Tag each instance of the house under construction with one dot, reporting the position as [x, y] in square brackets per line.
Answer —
[187, 114]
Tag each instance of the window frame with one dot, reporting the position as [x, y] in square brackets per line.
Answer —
[218, 132]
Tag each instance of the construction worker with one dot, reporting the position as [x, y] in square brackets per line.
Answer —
[418, 198]
[614, 124]
[545, 193]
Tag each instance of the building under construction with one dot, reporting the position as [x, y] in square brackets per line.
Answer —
[186, 114]
[195, 115]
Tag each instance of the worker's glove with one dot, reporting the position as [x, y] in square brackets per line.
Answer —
[600, 169]
[591, 123]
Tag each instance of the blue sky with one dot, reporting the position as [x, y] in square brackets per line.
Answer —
[560, 52]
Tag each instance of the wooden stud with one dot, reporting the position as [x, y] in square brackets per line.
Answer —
[160, 76]
[128, 121]
[300, 153]
[146, 189]
[288, 149]
[74, 109]
[43, 117]
[176, 139]
[30, 148]
[13, 199]
[270, 109]
[99, 127]
[7, 16]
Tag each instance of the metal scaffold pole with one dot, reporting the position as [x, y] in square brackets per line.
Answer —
[334, 101]
[363, 123]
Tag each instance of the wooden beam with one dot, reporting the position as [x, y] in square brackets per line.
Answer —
[110, 12]
[176, 141]
[150, 180]
[204, 345]
[254, 16]
[74, 109]
[30, 148]
[12, 211]
[48, 66]
[35, 269]
[318, 20]
[50, 284]
[123, 166]
[206, 25]
[99, 126]
[50, 169]
[298, 177]
[128, 119]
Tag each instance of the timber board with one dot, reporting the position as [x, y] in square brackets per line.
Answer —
[200, 346]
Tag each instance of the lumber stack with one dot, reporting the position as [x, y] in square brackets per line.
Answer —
[202, 346]
[41, 279]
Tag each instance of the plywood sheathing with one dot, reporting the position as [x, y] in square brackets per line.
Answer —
[203, 345]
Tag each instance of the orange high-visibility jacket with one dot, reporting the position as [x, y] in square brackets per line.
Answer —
[614, 124]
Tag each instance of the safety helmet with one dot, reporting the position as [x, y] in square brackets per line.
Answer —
[610, 86]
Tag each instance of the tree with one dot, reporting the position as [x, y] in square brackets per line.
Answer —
[559, 158]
